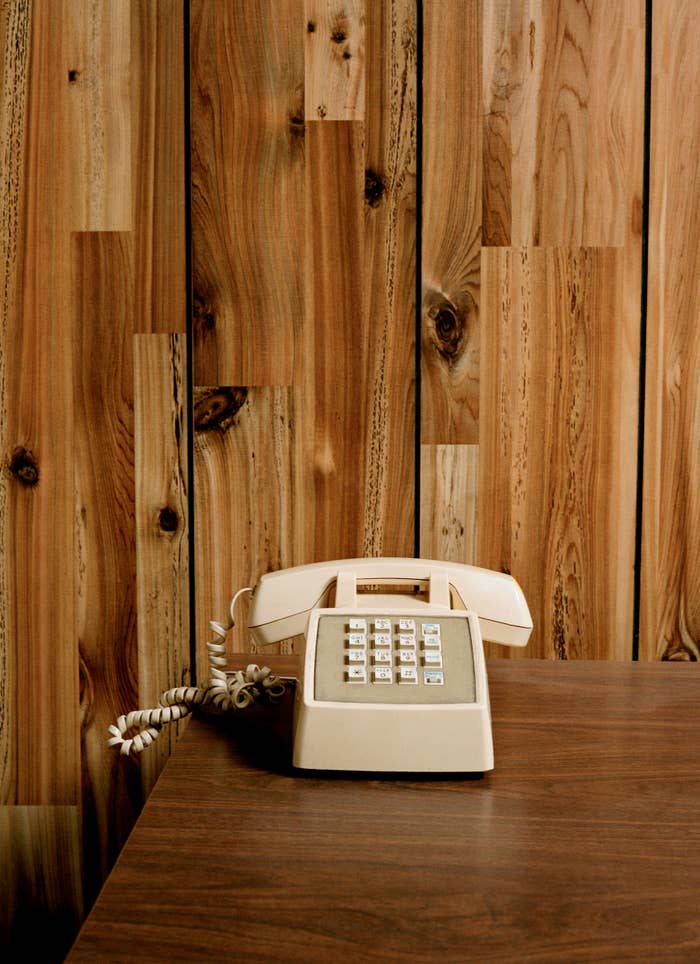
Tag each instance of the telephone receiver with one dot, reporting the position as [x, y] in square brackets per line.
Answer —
[394, 675]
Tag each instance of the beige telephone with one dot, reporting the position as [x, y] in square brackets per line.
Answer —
[391, 681]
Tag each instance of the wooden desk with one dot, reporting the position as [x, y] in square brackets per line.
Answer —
[582, 845]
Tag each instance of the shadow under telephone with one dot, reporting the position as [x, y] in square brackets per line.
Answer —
[391, 681]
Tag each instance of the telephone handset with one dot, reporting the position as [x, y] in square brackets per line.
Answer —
[391, 681]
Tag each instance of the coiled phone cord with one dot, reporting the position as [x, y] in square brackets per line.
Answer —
[224, 691]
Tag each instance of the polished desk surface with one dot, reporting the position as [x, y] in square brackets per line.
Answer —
[583, 844]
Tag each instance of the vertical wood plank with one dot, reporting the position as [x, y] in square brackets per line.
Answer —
[40, 751]
[162, 563]
[562, 92]
[156, 75]
[103, 376]
[390, 248]
[452, 170]
[557, 460]
[331, 384]
[98, 78]
[334, 86]
[40, 880]
[670, 573]
[246, 500]
[448, 512]
[247, 76]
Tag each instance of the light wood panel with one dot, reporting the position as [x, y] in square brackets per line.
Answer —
[247, 130]
[334, 76]
[670, 577]
[557, 460]
[39, 844]
[246, 500]
[162, 527]
[451, 234]
[563, 118]
[448, 511]
[390, 133]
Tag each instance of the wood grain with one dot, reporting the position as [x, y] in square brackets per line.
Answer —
[452, 169]
[563, 89]
[331, 381]
[162, 526]
[247, 132]
[557, 457]
[389, 245]
[245, 497]
[449, 493]
[580, 845]
[106, 552]
[334, 75]
[97, 39]
[40, 879]
[670, 575]
[156, 77]
[40, 758]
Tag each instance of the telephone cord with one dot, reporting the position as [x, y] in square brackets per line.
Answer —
[224, 692]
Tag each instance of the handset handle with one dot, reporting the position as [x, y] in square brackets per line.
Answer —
[282, 600]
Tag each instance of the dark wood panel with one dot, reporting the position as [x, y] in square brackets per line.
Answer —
[557, 457]
[670, 579]
[105, 550]
[247, 130]
[390, 249]
[331, 380]
[40, 750]
[452, 170]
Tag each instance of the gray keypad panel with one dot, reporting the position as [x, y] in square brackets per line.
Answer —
[381, 658]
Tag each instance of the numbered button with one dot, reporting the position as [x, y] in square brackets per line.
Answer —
[382, 639]
[382, 625]
[408, 674]
[381, 674]
[381, 657]
[356, 640]
[407, 657]
[354, 623]
[407, 625]
[356, 656]
[407, 640]
[356, 674]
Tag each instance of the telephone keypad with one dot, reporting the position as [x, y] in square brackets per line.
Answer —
[382, 658]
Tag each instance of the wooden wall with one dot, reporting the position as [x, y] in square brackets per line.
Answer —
[428, 307]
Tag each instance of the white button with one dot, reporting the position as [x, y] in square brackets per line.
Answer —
[406, 640]
[381, 656]
[356, 656]
[357, 639]
[431, 629]
[382, 674]
[356, 674]
[407, 656]
[407, 674]
[355, 623]
[407, 625]
[433, 677]
[432, 641]
[382, 639]
[432, 657]
[382, 624]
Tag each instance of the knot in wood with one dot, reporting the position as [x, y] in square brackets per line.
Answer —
[202, 314]
[217, 407]
[167, 519]
[374, 188]
[338, 37]
[449, 330]
[24, 466]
